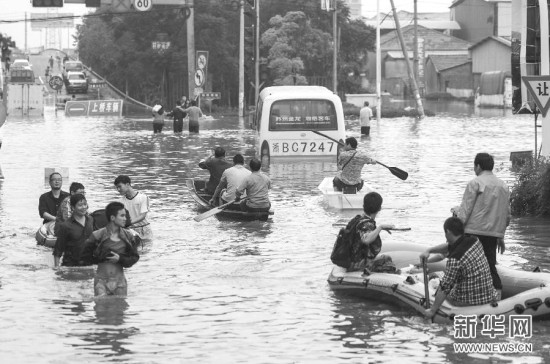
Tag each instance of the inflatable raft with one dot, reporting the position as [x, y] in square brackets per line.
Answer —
[524, 293]
[45, 236]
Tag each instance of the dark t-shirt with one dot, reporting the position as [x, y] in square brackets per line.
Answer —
[216, 166]
[70, 240]
[48, 203]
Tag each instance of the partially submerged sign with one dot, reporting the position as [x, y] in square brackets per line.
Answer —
[539, 88]
[94, 108]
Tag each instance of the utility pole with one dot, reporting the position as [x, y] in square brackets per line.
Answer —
[378, 65]
[191, 52]
[257, 54]
[415, 45]
[241, 61]
[335, 54]
[26, 32]
[419, 106]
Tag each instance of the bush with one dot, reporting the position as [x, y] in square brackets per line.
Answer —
[531, 192]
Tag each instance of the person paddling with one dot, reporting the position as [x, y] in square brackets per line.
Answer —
[350, 164]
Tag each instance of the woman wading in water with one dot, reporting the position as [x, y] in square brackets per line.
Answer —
[112, 248]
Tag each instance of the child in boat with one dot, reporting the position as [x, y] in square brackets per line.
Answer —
[467, 280]
[112, 248]
[367, 245]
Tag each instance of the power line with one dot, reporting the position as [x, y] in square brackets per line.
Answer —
[93, 15]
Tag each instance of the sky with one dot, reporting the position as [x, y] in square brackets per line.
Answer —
[16, 9]
[436, 6]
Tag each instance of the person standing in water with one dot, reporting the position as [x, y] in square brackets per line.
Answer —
[112, 248]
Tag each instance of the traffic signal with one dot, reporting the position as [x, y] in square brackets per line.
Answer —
[47, 3]
[249, 42]
[93, 3]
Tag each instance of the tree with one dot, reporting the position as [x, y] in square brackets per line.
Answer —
[294, 48]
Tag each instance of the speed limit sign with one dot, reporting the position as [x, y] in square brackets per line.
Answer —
[143, 5]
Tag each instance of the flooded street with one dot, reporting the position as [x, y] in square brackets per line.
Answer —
[241, 292]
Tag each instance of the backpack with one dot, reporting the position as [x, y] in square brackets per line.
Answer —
[342, 250]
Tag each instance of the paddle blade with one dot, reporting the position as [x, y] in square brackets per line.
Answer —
[399, 173]
[207, 214]
[214, 211]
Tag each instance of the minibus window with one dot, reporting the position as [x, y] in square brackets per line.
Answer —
[290, 115]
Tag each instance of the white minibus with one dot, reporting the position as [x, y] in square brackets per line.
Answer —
[286, 116]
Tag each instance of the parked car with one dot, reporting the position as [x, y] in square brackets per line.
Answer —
[72, 66]
[21, 63]
[76, 82]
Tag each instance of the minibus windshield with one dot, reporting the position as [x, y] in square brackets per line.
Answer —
[296, 115]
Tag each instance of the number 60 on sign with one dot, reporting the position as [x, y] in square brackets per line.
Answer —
[143, 5]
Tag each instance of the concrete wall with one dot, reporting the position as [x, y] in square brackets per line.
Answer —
[359, 99]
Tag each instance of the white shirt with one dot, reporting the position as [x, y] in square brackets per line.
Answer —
[233, 177]
[365, 115]
[137, 205]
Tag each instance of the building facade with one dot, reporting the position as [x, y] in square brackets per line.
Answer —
[479, 19]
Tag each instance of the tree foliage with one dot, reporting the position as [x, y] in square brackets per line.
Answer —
[296, 41]
[531, 192]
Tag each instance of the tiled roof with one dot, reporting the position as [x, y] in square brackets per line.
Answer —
[442, 63]
[501, 40]
[433, 40]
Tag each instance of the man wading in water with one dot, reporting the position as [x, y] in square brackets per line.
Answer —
[112, 248]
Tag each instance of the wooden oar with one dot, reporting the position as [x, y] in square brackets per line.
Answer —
[397, 172]
[426, 289]
[214, 211]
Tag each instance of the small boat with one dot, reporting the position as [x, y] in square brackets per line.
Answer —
[524, 293]
[341, 200]
[45, 236]
[196, 189]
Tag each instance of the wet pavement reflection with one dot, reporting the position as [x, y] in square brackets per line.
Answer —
[226, 291]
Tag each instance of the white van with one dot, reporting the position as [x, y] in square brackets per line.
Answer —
[286, 115]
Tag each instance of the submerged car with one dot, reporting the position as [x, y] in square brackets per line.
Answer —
[76, 82]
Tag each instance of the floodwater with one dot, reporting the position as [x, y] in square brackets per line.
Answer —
[233, 292]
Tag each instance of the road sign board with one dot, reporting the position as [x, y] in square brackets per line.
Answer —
[76, 108]
[97, 84]
[56, 83]
[199, 77]
[211, 95]
[539, 88]
[94, 108]
[143, 5]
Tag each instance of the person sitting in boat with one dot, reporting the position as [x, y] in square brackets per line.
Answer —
[467, 280]
[256, 186]
[112, 248]
[230, 181]
[49, 202]
[65, 209]
[73, 233]
[367, 245]
[350, 164]
[216, 165]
